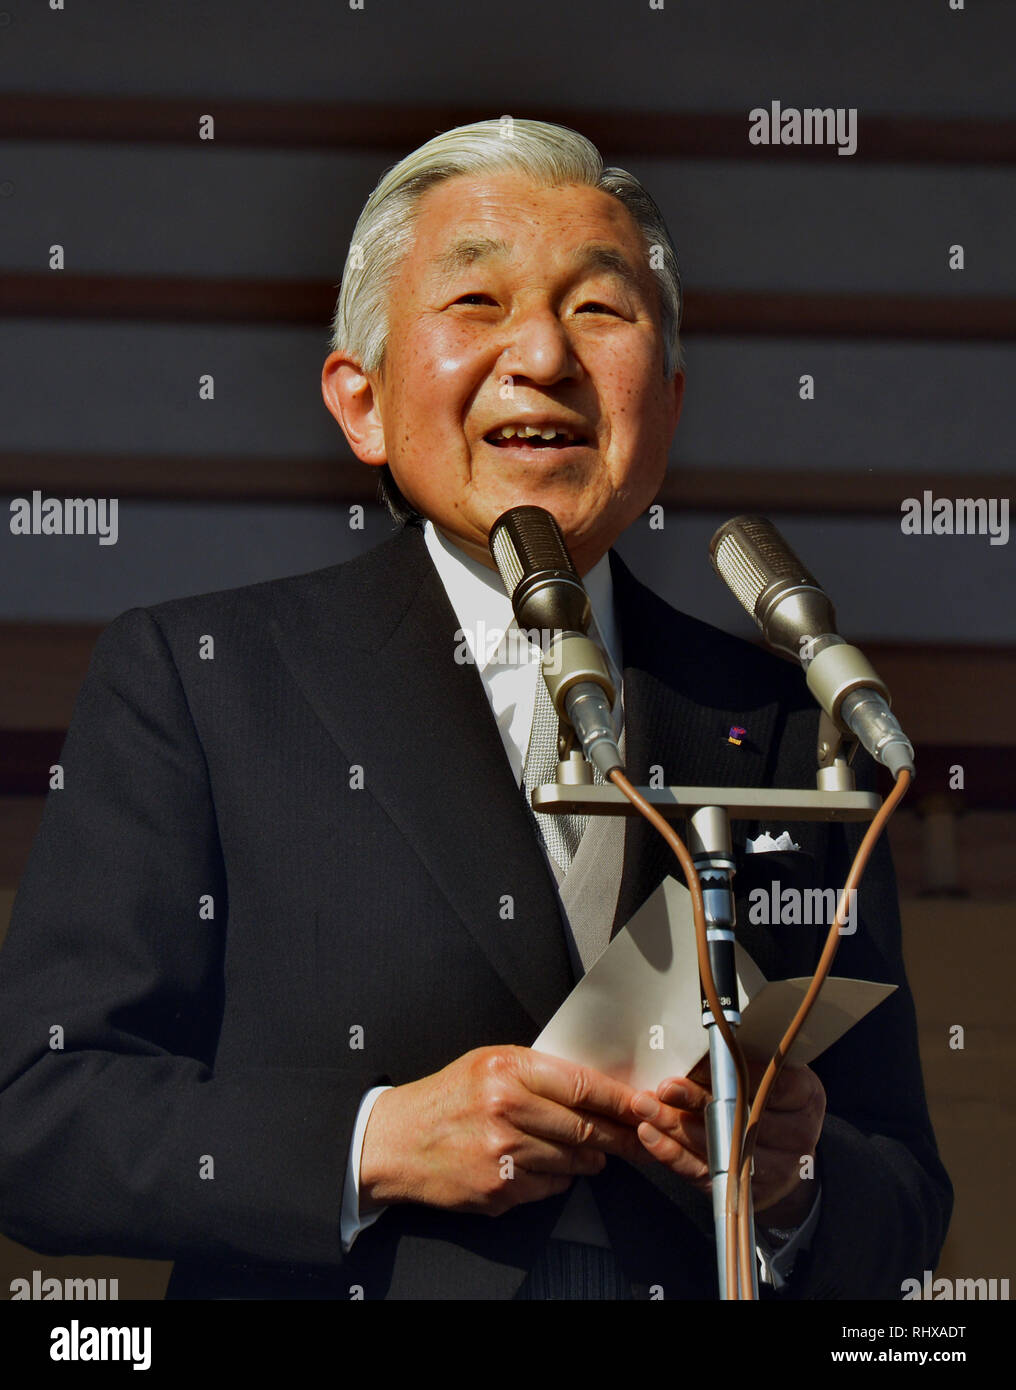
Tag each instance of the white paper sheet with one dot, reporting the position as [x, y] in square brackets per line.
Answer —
[636, 1015]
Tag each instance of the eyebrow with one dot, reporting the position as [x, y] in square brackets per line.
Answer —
[591, 255]
[467, 251]
[594, 255]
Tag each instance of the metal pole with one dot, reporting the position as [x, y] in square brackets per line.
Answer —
[709, 843]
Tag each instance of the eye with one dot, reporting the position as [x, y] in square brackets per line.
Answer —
[595, 307]
[477, 297]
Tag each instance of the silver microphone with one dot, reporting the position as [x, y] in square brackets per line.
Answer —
[797, 619]
[547, 594]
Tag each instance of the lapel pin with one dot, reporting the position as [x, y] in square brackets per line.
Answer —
[736, 734]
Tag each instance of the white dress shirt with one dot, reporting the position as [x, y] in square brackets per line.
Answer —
[489, 637]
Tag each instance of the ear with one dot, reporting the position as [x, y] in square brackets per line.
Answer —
[350, 396]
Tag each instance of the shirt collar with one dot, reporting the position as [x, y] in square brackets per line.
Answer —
[484, 610]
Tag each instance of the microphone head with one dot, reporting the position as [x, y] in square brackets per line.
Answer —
[771, 583]
[546, 590]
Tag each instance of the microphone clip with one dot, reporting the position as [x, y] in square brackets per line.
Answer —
[834, 754]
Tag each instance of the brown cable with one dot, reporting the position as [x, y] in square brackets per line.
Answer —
[738, 1222]
[779, 1057]
[732, 1226]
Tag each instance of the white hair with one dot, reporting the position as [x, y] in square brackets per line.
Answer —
[551, 155]
[548, 154]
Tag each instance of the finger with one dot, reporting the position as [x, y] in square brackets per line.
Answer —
[578, 1088]
[796, 1088]
[673, 1154]
[756, 1070]
[535, 1155]
[545, 1119]
[618, 1140]
[687, 1127]
[683, 1094]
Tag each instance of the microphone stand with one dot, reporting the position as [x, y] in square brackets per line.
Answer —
[708, 841]
[709, 811]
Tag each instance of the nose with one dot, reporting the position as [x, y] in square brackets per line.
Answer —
[539, 350]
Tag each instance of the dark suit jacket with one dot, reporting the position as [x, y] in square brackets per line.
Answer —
[339, 907]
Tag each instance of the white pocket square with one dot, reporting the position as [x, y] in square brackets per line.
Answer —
[765, 844]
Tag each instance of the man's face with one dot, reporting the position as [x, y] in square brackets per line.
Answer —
[520, 307]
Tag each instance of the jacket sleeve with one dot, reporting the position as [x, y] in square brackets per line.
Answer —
[116, 1134]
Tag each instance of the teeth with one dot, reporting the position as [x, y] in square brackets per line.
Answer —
[533, 432]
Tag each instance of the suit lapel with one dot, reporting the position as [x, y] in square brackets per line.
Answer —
[372, 645]
[683, 690]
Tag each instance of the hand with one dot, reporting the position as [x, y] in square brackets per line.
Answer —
[495, 1128]
[672, 1129]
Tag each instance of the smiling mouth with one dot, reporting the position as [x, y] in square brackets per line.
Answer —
[533, 437]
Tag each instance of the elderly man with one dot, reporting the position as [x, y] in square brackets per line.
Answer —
[292, 911]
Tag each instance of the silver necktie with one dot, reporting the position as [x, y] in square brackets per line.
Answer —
[560, 833]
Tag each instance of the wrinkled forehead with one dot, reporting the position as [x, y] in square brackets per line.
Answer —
[507, 220]
[587, 258]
